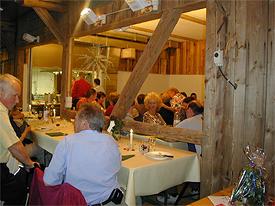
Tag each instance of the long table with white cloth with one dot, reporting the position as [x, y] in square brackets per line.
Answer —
[139, 175]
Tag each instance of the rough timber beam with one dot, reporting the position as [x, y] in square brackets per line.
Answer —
[193, 19]
[149, 56]
[127, 17]
[165, 132]
[46, 17]
[44, 4]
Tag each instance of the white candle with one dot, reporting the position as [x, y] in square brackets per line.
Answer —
[131, 138]
[54, 113]
[30, 107]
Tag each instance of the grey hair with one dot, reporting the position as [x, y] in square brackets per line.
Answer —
[93, 115]
[6, 83]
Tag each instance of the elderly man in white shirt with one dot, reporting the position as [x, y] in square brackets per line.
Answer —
[12, 190]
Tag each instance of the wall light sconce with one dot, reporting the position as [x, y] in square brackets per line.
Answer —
[30, 38]
[90, 17]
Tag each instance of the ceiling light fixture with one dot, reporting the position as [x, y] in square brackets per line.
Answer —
[137, 5]
[30, 38]
[90, 17]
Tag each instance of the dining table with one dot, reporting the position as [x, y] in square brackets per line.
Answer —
[141, 174]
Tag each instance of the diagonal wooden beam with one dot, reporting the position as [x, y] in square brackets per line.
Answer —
[46, 17]
[149, 56]
[193, 19]
[44, 4]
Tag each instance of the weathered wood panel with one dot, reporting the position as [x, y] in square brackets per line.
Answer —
[180, 60]
[234, 118]
[269, 139]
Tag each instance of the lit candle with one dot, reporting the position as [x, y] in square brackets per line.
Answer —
[54, 113]
[30, 107]
[131, 138]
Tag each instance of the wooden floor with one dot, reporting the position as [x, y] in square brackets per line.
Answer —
[152, 199]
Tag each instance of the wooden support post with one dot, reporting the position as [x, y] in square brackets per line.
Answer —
[46, 17]
[149, 56]
[66, 73]
[235, 118]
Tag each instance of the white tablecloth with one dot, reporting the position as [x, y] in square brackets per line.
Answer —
[139, 175]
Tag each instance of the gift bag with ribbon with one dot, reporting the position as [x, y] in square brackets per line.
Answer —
[251, 189]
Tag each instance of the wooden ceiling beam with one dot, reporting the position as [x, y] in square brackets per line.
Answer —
[152, 31]
[127, 17]
[46, 17]
[116, 23]
[149, 56]
[192, 19]
[90, 40]
[44, 4]
[186, 5]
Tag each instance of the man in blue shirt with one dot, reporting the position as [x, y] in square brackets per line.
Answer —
[88, 159]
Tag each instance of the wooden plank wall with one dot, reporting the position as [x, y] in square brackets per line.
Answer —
[269, 141]
[188, 58]
[236, 118]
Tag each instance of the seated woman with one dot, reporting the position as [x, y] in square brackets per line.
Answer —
[112, 98]
[140, 107]
[153, 102]
[90, 98]
[100, 98]
[166, 111]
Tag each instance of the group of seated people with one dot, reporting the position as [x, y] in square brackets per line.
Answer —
[88, 160]
[171, 107]
[77, 159]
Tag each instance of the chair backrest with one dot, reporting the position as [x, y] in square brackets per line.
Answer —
[64, 194]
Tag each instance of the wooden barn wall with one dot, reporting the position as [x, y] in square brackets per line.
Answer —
[187, 58]
[269, 136]
[236, 118]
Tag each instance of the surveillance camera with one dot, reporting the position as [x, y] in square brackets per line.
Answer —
[218, 58]
[29, 38]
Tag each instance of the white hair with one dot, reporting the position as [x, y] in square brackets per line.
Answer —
[6, 84]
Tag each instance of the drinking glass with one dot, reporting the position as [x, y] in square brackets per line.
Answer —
[152, 142]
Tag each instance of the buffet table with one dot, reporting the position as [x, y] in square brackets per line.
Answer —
[139, 175]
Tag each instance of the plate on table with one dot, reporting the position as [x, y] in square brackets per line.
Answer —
[159, 155]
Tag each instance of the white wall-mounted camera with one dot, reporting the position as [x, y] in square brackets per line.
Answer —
[29, 38]
[218, 58]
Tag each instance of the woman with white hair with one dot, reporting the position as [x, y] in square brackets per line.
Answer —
[152, 103]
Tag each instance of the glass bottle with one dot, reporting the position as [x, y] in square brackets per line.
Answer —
[46, 112]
